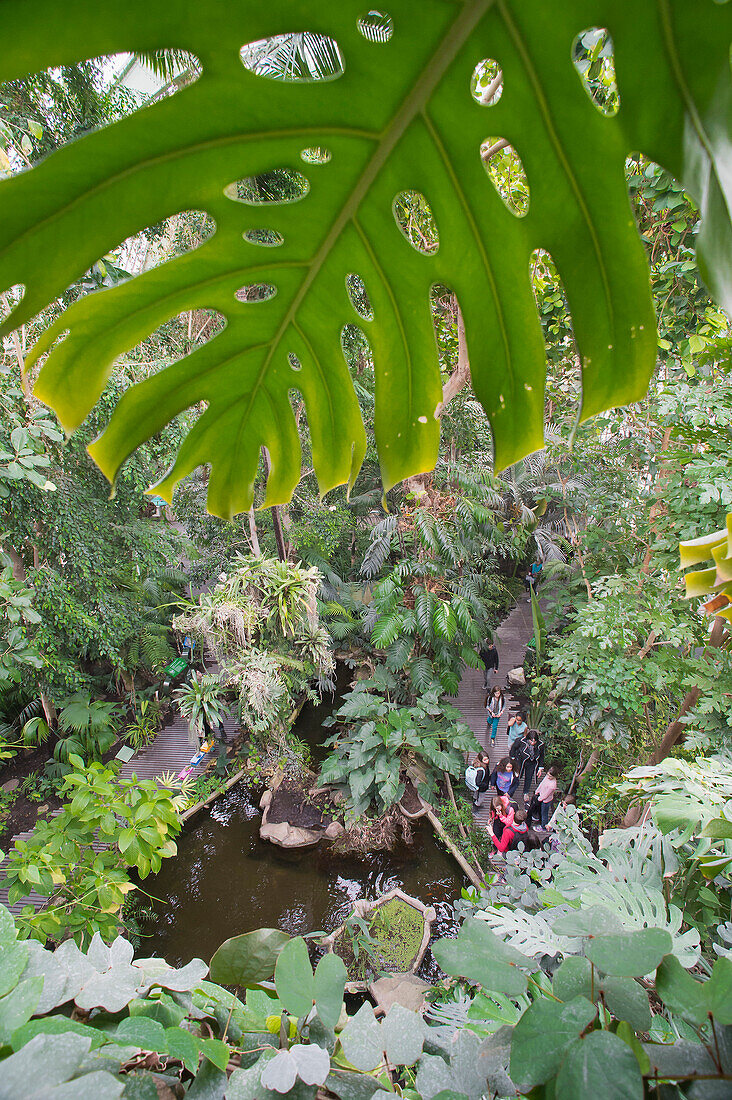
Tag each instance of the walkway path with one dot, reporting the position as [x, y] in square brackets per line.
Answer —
[511, 639]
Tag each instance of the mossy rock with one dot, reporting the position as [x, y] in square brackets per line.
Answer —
[397, 930]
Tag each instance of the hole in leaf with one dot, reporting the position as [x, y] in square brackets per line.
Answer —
[592, 55]
[444, 309]
[316, 155]
[376, 26]
[277, 186]
[359, 297]
[268, 238]
[504, 166]
[356, 349]
[9, 299]
[301, 57]
[563, 380]
[413, 215]
[173, 340]
[46, 110]
[256, 292]
[486, 83]
[293, 360]
[156, 244]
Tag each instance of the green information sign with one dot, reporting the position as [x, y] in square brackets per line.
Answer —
[175, 668]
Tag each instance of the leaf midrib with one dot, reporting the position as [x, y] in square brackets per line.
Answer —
[413, 105]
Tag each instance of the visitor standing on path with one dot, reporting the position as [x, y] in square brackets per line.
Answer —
[516, 728]
[544, 795]
[502, 776]
[489, 656]
[495, 704]
[527, 756]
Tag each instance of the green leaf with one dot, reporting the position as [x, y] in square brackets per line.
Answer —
[216, 1051]
[143, 1032]
[294, 977]
[542, 1037]
[402, 1032]
[679, 991]
[421, 129]
[55, 1025]
[13, 961]
[17, 1007]
[627, 1000]
[573, 979]
[248, 959]
[718, 991]
[210, 1083]
[362, 1041]
[329, 984]
[601, 1065]
[478, 954]
[183, 1046]
[8, 932]
[627, 1034]
[630, 954]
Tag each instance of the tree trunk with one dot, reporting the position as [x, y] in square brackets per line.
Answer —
[16, 563]
[253, 535]
[276, 521]
[457, 382]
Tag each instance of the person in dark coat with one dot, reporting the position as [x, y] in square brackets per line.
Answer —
[527, 755]
[489, 656]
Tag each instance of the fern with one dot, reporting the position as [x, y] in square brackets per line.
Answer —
[423, 611]
[386, 631]
[421, 674]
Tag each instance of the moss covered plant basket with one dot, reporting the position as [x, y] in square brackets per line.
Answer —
[399, 930]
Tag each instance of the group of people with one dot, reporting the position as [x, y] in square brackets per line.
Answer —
[511, 824]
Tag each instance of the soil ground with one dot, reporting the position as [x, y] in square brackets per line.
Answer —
[292, 803]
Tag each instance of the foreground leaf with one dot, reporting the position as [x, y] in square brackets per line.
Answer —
[248, 959]
[542, 1037]
[601, 1065]
[400, 116]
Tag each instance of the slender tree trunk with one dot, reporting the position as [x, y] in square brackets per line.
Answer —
[253, 535]
[276, 520]
[457, 382]
[16, 562]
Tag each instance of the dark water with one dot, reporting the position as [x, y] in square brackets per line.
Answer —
[225, 881]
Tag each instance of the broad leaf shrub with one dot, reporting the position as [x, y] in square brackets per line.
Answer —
[80, 858]
[100, 1023]
[376, 741]
[389, 116]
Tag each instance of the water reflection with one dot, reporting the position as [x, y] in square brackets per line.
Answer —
[225, 881]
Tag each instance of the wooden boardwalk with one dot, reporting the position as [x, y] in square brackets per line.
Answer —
[511, 639]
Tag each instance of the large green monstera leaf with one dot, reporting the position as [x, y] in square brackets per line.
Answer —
[400, 117]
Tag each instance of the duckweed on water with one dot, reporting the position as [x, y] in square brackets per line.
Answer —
[395, 934]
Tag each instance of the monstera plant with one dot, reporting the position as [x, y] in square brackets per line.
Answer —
[376, 106]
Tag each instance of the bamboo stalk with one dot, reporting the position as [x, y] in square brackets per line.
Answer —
[440, 830]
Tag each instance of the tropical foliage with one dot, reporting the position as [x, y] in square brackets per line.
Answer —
[376, 742]
[260, 621]
[570, 152]
[81, 858]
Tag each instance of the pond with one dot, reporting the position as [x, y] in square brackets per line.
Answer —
[225, 881]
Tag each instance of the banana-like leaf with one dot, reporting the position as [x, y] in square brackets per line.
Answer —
[399, 117]
[716, 580]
